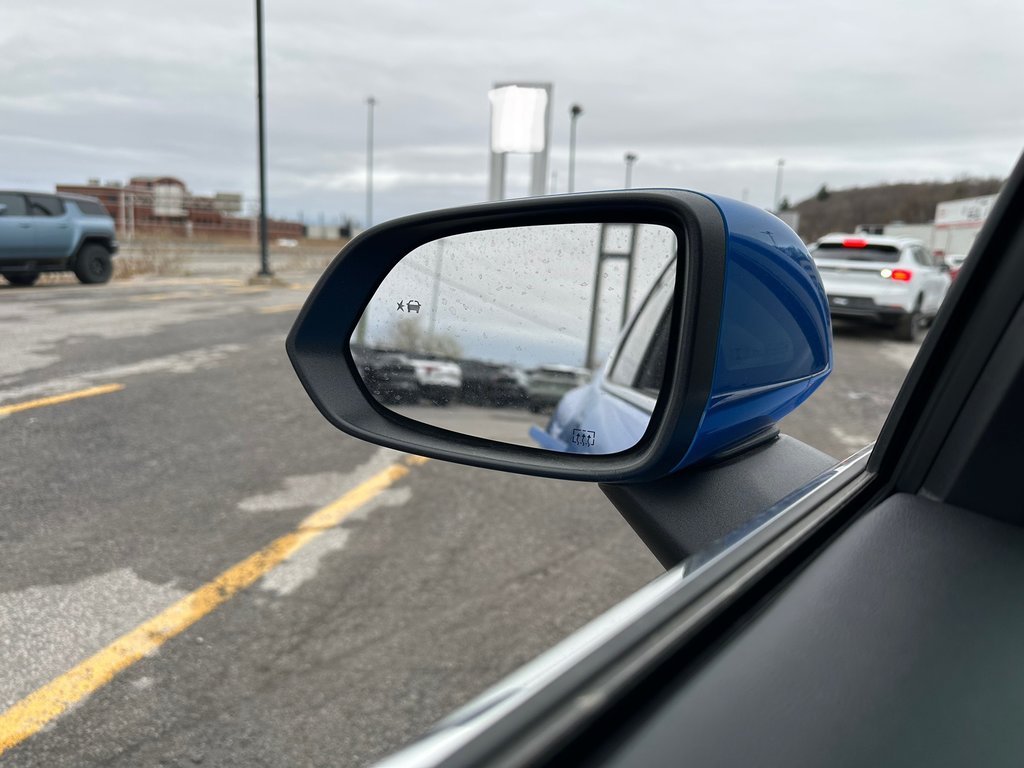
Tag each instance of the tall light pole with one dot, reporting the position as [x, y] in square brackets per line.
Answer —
[778, 185]
[371, 102]
[630, 159]
[574, 113]
[261, 121]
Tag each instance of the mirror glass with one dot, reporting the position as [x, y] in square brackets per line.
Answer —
[549, 336]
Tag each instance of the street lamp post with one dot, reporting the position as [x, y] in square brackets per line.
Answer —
[261, 122]
[630, 159]
[371, 102]
[574, 112]
[778, 184]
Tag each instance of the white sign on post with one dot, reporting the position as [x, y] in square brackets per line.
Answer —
[520, 124]
[518, 119]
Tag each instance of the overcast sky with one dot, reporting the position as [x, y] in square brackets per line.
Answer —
[708, 94]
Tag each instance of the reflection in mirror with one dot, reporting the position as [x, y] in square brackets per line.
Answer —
[550, 336]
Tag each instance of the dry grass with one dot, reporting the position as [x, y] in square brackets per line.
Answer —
[144, 260]
[149, 260]
[303, 261]
[171, 257]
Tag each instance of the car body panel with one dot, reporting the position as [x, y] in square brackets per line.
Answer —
[603, 413]
[17, 235]
[774, 346]
[55, 235]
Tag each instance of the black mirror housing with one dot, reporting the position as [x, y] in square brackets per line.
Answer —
[318, 342]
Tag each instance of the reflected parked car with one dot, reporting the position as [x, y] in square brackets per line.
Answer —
[509, 388]
[547, 384]
[476, 381]
[492, 384]
[440, 380]
[389, 377]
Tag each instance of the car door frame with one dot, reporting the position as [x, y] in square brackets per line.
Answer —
[53, 234]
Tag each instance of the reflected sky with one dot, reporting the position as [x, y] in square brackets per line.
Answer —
[521, 295]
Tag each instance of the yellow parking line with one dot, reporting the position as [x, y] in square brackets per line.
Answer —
[280, 308]
[167, 296]
[58, 399]
[43, 705]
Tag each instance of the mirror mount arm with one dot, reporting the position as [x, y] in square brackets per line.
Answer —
[683, 513]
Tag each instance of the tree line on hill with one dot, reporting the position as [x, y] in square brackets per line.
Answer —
[843, 210]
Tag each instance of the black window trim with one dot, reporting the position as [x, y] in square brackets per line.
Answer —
[31, 198]
[613, 358]
[24, 199]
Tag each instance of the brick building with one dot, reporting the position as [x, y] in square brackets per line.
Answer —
[163, 205]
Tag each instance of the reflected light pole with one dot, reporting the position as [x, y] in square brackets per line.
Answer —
[630, 159]
[371, 102]
[574, 113]
[778, 185]
[437, 289]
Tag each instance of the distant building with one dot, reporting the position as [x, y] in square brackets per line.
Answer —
[956, 225]
[163, 205]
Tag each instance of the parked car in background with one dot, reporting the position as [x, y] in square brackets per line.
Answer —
[508, 387]
[440, 380]
[476, 381]
[389, 377]
[41, 232]
[894, 281]
[956, 263]
[491, 384]
[547, 384]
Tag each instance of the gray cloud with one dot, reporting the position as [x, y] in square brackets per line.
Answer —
[709, 94]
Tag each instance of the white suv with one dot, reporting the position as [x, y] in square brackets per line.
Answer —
[891, 280]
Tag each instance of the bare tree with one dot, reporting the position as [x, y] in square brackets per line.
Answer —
[408, 335]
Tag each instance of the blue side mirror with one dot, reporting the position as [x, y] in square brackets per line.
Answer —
[612, 337]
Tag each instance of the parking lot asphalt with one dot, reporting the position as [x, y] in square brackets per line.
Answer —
[189, 479]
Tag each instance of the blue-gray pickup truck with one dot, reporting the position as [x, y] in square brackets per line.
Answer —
[41, 232]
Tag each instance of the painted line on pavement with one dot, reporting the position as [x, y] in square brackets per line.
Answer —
[45, 704]
[28, 405]
[170, 295]
[280, 308]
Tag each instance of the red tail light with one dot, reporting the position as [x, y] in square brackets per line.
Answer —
[855, 242]
[903, 275]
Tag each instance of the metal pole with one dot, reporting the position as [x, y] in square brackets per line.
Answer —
[778, 184]
[370, 103]
[630, 159]
[633, 234]
[122, 223]
[437, 289]
[574, 112]
[261, 120]
[595, 297]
